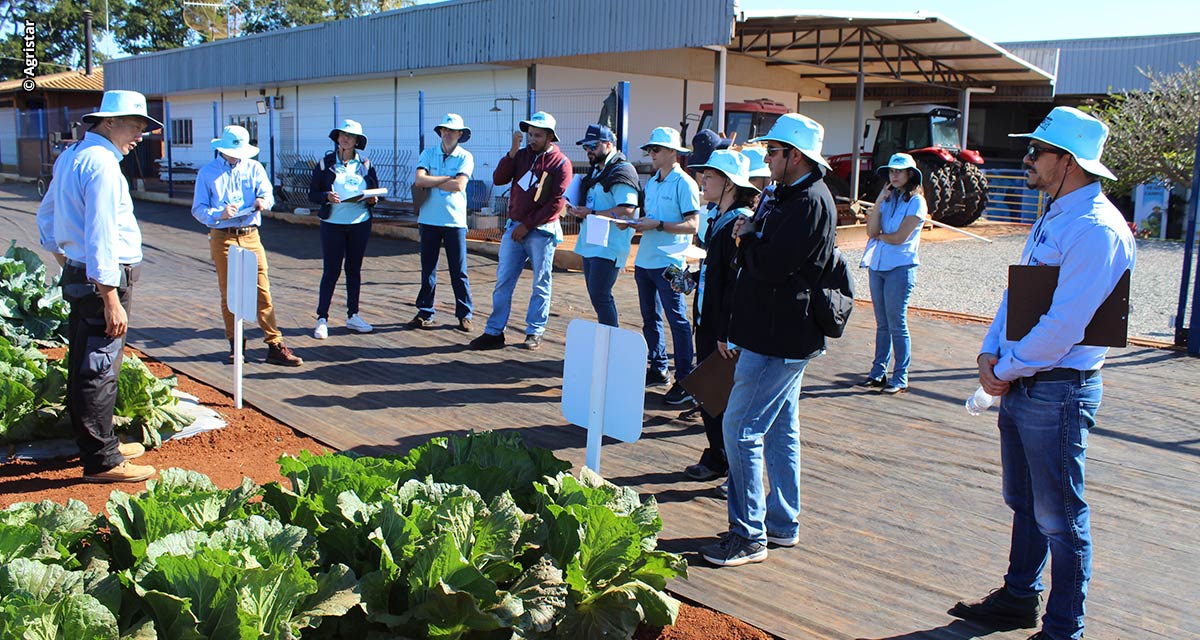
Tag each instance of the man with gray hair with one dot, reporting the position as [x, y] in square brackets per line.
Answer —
[86, 220]
[1049, 384]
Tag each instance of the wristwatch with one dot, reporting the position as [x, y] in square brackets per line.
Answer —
[660, 225]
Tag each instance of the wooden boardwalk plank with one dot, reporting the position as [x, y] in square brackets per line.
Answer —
[901, 496]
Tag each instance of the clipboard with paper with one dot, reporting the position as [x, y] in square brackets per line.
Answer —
[1031, 290]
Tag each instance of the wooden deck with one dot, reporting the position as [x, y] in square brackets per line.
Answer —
[902, 507]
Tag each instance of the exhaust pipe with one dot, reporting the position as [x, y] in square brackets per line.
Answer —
[87, 42]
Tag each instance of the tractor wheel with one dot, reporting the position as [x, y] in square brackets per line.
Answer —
[937, 186]
[970, 195]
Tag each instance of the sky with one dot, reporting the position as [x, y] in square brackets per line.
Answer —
[1017, 20]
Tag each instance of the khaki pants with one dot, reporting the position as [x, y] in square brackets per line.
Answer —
[219, 242]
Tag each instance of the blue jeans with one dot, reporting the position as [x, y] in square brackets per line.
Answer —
[762, 425]
[1043, 446]
[455, 240]
[890, 291]
[538, 249]
[600, 274]
[342, 244]
[654, 292]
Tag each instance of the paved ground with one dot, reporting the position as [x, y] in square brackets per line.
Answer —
[902, 507]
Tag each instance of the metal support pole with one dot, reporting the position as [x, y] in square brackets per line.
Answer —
[271, 136]
[421, 121]
[531, 104]
[1192, 337]
[719, 92]
[169, 141]
[216, 125]
[335, 114]
[856, 147]
[964, 108]
[623, 117]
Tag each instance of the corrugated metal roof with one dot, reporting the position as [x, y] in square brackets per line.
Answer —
[448, 34]
[1096, 66]
[898, 48]
[61, 81]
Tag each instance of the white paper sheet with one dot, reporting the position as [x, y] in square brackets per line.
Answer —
[684, 249]
[595, 229]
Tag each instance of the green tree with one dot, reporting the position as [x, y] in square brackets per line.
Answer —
[58, 28]
[270, 15]
[1152, 133]
[140, 26]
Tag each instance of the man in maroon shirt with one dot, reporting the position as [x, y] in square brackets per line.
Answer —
[539, 173]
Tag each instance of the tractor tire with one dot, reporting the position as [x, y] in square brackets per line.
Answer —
[936, 184]
[970, 195]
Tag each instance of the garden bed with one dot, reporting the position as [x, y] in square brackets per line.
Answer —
[249, 446]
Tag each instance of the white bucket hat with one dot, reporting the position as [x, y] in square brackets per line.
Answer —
[118, 103]
[900, 161]
[734, 164]
[455, 122]
[666, 137]
[758, 162]
[800, 131]
[1078, 134]
[353, 128]
[541, 120]
[235, 142]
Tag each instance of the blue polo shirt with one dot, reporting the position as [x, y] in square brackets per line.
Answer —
[445, 209]
[598, 199]
[347, 182]
[667, 198]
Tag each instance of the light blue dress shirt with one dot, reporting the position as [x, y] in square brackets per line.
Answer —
[443, 208]
[618, 244]
[667, 200]
[219, 183]
[884, 256]
[1088, 239]
[87, 215]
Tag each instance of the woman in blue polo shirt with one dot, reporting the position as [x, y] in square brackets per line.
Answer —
[345, 225]
[894, 229]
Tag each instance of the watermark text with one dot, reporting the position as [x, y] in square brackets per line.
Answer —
[29, 49]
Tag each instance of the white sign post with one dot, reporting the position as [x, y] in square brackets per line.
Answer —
[604, 389]
[241, 295]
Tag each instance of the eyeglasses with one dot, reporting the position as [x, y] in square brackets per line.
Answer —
[590, 146]
[1034, 151]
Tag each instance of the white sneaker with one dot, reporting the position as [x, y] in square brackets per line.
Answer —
[355, 323]
[322, 330]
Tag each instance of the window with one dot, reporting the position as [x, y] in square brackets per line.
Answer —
[181, 132]
[250, 122]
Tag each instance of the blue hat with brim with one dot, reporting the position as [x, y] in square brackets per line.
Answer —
[541, 120]
[118, 104]
[899, 162]
[733, 164]
[799, 131]
[1078, 134]
[353, 128]
[758, 162]
[235, 143]
[454, 122]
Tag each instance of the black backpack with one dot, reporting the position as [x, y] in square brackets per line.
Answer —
[832, 299]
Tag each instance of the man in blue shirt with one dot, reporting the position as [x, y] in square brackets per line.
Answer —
[611, 190]
[231, 192]
[1049, 383]
[444, 171]
[670, 219]
[86, 220]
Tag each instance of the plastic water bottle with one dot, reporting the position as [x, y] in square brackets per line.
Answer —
[980, 401]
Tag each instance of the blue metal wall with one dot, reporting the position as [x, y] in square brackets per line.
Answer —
[1101, 65]
[466, 32]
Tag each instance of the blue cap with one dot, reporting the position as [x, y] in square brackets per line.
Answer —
[703, 144]
[597, 133]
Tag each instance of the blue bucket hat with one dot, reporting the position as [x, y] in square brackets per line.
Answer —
[597, 133]
[541, 120]
[353, 128]
[666, 137]
[118, 103]
[235, 143]
[733, 164]
[454, 122]
[800, 131]
[900, 161]
[703, 144]
[758, 162]
[1078, 134]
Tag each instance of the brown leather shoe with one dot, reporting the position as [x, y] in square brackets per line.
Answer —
[281, 355]
[124, 472]
[131, 450]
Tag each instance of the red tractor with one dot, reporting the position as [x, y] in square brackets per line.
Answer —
[955, 188]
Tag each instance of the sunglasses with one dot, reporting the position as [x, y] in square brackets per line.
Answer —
[1034, 151]
[590, 146]
[774, 150]
[653, 149]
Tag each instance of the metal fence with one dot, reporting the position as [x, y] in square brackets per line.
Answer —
[1009, 200]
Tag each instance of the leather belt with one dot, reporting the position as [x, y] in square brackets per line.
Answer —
[1061, 374]
[236, 231]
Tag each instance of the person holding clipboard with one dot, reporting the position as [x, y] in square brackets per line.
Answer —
[1049, 382]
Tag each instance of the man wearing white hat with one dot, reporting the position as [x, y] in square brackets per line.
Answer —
[86, 220]
[445, 170]
[231, 193]
[671, 217]
[1049, 383]
[539, 174]
[785, 247]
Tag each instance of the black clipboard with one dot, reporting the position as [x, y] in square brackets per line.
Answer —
[1031, 290]
[711, 382]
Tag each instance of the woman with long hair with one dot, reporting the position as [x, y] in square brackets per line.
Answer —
[894, 228]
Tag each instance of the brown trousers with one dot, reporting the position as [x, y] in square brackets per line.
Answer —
[219, 242]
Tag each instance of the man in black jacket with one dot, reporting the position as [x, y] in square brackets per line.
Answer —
[784, 248]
